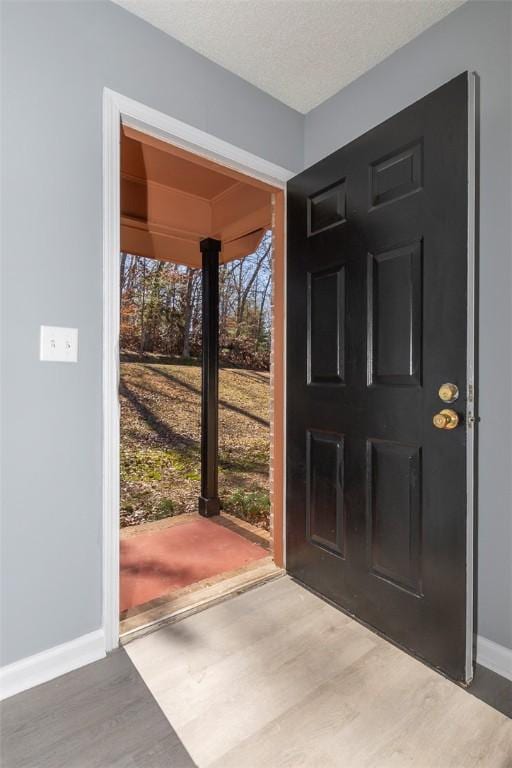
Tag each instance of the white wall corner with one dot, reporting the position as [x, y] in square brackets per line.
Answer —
[494, 656]
[44, 666]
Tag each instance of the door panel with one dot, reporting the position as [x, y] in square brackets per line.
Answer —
[377, 321]
[393, 495]
[394, 316]
[326, 209]
[396, 175]
[326, 326]
[325, 523]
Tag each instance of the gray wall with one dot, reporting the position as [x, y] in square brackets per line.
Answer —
[57, 57]
[477, 37]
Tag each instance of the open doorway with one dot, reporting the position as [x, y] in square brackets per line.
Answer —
[174, 559]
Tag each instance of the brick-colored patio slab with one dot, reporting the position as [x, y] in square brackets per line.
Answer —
[155, 564]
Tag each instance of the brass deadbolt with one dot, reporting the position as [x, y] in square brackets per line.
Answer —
[448, 392]
[446, 419]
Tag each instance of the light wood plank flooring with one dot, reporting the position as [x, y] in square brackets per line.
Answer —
[99, 716]
[278, 678]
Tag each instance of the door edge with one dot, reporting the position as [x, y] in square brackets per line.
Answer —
[471, 419]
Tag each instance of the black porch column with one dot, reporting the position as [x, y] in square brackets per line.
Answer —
[209, 504]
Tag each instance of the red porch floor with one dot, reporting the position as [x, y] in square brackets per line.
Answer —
[165, 560]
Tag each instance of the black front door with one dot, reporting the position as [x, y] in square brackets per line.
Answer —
[378, 496]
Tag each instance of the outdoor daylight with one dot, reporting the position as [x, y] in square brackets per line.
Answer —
[161, 387]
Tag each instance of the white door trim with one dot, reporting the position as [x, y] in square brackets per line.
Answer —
[119, 109]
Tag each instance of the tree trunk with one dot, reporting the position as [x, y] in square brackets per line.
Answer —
[142, 308]
[122, 274]
[262, 308]
[245, 294]
[187, 315]
[154, 306]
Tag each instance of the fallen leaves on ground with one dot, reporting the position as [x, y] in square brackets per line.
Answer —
[160, 442]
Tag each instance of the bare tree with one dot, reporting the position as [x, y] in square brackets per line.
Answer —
[261, 313]
[142, 308]
[161, 307]
[122, 276]
[247, 289]
[187, 312]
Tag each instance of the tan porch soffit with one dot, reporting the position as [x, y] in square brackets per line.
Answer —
[171, 200]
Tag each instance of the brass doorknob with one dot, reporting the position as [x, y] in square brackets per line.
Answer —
[448, 392]
[446, 419]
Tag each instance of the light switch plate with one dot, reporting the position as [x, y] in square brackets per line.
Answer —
[58, 345]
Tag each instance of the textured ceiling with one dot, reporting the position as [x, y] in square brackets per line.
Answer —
[300, 51]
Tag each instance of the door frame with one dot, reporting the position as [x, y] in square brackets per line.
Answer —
[118, 110]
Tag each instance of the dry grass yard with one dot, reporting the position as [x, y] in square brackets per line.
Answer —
[160, 441]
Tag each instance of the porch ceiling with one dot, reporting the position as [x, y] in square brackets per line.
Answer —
[172, 199]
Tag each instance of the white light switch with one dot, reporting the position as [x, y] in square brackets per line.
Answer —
[59, 345]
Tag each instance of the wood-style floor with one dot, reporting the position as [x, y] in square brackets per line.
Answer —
[277, 678]
[273, 678]
[99, 716]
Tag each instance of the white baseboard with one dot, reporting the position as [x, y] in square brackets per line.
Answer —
[44, 666]
[494, 656]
